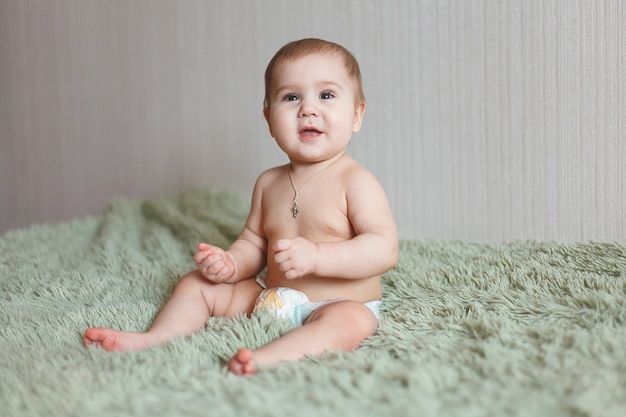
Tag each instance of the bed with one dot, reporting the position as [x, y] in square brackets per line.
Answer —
[516, 328]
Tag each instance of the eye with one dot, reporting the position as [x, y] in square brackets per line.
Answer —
[326, 95]
[291, 97]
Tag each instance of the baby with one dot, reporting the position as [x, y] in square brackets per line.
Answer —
[321, 224]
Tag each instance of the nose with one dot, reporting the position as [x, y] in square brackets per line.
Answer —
[307, 108]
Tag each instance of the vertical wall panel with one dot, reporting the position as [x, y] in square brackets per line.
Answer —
[487, 120]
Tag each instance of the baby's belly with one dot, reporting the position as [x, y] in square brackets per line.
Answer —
[319, 289]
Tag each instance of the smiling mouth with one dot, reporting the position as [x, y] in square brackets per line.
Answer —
[309, 133]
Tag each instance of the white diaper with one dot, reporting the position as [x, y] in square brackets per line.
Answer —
[294, 305]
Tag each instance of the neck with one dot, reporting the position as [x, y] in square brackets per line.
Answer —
[309, 168]
[319, 168]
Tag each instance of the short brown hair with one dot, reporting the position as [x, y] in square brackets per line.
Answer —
[309, 46]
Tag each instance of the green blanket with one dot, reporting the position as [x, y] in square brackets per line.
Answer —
[522, 328]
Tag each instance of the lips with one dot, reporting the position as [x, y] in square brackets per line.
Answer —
[309, 133]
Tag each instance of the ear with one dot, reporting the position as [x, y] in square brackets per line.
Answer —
[358, 117]
[266, 114]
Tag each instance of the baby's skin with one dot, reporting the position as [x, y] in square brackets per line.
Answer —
[321, 224]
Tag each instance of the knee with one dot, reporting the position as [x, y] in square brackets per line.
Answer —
[353, 321]
[193, 280]
[361, 320]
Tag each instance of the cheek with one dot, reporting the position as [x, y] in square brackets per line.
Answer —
[279, 125]
[346, 119]
[279, 122]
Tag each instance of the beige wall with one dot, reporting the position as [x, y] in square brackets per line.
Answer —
[487, 120]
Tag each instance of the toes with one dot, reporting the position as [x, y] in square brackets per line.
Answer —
[242, 363]
[244, 356]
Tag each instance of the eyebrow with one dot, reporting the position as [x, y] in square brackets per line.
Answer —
[289, 87]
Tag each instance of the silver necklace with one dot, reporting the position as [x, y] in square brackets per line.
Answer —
[295, 209]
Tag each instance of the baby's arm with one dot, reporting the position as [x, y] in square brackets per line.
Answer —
[242, 260]
[372, 251]
[245, 257]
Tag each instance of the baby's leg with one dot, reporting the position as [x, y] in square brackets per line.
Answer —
[338, 326]
[193, 301]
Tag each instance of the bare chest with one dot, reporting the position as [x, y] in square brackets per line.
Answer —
[319, 213]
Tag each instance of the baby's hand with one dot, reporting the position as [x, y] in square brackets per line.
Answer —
[295, 257]
[214, 263]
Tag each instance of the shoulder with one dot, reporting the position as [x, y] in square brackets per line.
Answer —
[270, 176]
[367, 203]
[362, 189]
[356, 175]
[264, 188]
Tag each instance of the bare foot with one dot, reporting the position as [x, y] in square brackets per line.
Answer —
[242, 363]
[115, 340]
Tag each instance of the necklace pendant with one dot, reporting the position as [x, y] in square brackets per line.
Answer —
[295, 210]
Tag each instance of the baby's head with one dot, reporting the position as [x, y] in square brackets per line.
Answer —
[311, 46]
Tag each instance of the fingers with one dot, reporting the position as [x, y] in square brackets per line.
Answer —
[295, 257]
[213, 263]
[291, 273]
[217, 271]
[282, 255]
[205, 248]
[282, 244]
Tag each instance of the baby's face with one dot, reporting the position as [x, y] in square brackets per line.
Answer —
[312, 112]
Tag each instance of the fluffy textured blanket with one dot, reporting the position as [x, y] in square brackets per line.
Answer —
[523, 328]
